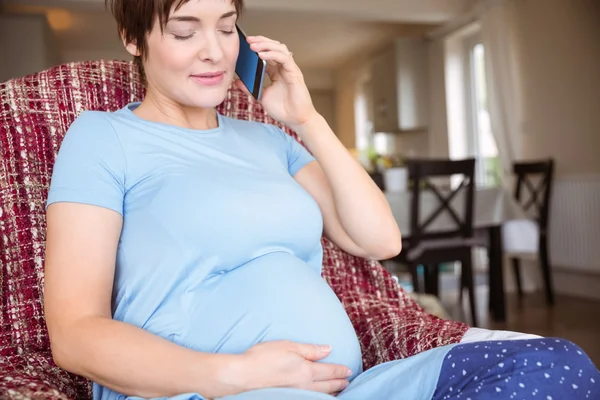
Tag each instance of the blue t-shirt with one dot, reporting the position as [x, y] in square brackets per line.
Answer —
[220, 246]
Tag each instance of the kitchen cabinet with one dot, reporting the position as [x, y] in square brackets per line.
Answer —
[400, 86]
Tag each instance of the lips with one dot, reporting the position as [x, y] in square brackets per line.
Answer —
[209, 78]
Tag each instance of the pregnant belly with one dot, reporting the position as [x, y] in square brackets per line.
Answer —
[274, 297]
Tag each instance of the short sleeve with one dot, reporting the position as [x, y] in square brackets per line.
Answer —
[90, 166]
[297, 156]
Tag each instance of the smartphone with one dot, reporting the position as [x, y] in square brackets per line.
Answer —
[250, 68]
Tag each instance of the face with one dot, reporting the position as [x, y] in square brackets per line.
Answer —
[192, 62]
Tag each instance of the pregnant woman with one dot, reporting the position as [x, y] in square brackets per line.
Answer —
[183, 247]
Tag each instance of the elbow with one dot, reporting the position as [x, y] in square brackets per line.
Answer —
[60, 354]
[388, 249]
[391, 251]
[64, 352]
[60, 360]
[389, 244]
[58, 341]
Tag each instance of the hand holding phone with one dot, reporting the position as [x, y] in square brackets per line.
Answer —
[287, 98]
[250, 68]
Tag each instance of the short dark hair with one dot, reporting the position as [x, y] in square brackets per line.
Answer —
[135, 19]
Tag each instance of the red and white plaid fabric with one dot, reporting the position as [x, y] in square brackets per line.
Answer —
[35, 113]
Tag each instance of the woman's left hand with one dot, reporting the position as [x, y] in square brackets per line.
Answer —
[287, 99]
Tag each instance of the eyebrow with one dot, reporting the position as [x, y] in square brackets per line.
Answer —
[187, 18]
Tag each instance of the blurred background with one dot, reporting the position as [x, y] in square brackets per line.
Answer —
[502, 81]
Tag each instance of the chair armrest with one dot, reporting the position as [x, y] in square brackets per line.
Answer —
[389, 332]
[35, 376]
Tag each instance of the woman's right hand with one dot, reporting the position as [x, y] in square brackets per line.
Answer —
[290, 364]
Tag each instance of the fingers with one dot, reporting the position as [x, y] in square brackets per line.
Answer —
[282, 57]
[276, 56]
[269, 46]
[253, 39]
[328, 387]
[311, 352]
[273, 52]
[326, 372]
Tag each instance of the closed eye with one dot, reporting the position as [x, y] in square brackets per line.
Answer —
[178, 37]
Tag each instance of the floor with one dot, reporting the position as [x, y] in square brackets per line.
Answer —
[577, 320]
[574, 319]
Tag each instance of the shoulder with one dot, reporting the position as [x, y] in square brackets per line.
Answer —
[90, 124]
[92, 136]
[94, 127]
[92, 118]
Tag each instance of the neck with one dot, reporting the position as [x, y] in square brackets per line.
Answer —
[158, 108]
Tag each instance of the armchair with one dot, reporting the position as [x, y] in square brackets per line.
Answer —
[35, 112]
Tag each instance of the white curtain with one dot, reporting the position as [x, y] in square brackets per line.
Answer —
[498, 34]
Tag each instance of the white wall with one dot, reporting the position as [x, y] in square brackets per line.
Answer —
[26, 45]
[318, 79]
[324, 102]
[559, 46]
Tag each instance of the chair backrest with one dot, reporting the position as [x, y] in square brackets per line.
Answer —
[35, 112]
[533, 188]
[420, 174]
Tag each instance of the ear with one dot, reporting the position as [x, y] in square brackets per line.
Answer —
[130, 47]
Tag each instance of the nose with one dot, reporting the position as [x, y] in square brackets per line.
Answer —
[212, 50]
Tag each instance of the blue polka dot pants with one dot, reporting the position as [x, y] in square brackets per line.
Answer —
[538, 369]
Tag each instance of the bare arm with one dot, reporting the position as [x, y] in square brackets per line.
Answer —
[356, 215]
[80, 264]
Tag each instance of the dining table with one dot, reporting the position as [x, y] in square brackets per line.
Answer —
[493, 208]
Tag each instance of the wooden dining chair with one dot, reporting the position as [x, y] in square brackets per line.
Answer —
[533, 188]
[431, 242]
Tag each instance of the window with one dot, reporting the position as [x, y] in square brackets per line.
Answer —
[362, 121]
[481, 138]
[469, 127]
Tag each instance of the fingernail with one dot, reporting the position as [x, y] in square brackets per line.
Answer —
[325, 349]
[348, 373]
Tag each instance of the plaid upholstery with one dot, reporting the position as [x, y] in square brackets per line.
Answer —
[35, 113]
